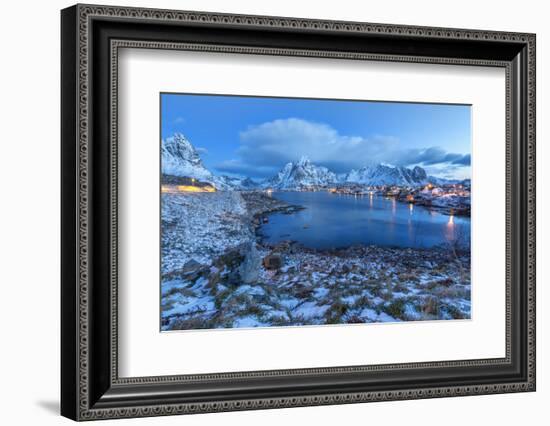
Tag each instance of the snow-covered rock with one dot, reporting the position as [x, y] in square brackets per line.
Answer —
[302, 173]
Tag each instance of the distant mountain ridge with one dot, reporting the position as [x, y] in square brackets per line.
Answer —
[382, 174]
[179, 158]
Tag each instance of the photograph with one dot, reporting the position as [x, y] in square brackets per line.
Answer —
[299, 212]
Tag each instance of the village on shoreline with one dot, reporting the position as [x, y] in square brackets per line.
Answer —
[449, 198]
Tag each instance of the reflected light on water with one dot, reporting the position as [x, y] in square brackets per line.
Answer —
[450, 234]
[384, 222]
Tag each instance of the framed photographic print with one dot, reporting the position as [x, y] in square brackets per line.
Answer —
[263, 212]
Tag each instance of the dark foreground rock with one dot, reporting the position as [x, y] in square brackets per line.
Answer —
[273, 262]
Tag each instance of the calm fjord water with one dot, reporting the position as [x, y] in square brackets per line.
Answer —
[335, 221]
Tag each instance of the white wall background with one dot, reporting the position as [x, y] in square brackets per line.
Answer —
[29, 211]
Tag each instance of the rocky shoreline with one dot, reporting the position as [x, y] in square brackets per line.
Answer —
[260, 206]
[227, 277]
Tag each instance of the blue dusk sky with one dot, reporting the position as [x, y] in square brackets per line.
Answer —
[257, 136]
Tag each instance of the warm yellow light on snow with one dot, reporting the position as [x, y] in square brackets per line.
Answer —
[187, 188]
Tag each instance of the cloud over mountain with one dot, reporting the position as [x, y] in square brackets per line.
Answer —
[267, 146]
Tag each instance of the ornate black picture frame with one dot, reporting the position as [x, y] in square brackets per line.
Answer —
[91, 386]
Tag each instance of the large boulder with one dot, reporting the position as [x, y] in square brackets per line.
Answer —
[273, 261]
[249, 269]
[192, 270]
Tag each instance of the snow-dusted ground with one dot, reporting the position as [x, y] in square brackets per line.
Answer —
[201, 226]
[212, 275]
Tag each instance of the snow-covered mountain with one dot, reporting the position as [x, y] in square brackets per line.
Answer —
[301, 173]
[382, 174]
[304, 173]
[180, 158]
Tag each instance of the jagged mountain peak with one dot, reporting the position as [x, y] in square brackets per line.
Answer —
[180, 158]
[302, 173]
[179, 138]
[303, 161]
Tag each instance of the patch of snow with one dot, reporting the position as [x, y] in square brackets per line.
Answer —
[190, 305]
[248, 321]
[169, 286]
[320, 292]
[372, 316]
[250, 290]
[410, 313]
[310, 310]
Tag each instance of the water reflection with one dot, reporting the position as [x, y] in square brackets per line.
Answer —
[450, 231]
[330, 221]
